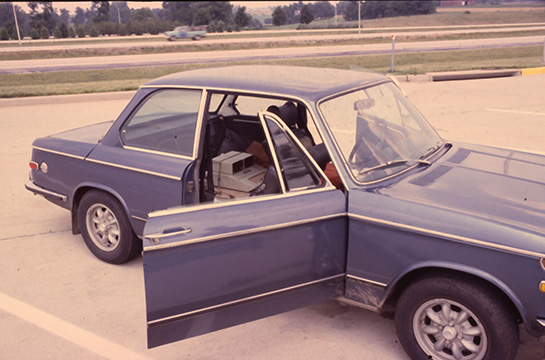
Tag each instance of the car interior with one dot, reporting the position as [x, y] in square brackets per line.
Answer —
[240, 160]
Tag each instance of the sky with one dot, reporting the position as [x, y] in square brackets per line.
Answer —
[72, 5]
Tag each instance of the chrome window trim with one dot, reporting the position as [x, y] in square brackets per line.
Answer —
[447, 236]
[301, 147]
[178, 317]
[150, 238]
[271, 145]
[156, 152]
[166, 176]
[199, 124]
[58, 153]
[239, 201]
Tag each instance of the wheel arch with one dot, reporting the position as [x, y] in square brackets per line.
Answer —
[434, 269]
[78, 194]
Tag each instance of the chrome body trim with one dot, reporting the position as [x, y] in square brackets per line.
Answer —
[447, 236]
[376, 283]
[58, 153]
[155, 152]
[30, 186]
[177, 178]
[179, 317]
[541, 322]
[152, 237]
[138, 218]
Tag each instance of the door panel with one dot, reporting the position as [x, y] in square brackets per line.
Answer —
[211, 266]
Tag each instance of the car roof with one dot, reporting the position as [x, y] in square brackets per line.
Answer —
[305, 82]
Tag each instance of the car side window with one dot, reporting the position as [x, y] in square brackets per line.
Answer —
[165, 122]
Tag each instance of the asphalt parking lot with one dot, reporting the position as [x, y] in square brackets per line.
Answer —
[57, 301]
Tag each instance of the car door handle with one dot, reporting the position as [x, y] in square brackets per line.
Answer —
[156, 238]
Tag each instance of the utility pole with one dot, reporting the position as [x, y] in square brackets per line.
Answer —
[359, 17]
[336, 13]
[16, 24]
[543, 57]
[393, 52]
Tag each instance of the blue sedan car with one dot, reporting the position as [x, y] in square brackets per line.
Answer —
[255, 190]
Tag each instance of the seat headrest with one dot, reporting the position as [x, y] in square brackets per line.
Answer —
[287, 112]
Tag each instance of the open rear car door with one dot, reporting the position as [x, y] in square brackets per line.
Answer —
[220, 264]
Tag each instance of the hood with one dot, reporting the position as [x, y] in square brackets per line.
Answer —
[499, 187]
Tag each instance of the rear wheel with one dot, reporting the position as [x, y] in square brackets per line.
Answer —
[106, 229]
[448, 318]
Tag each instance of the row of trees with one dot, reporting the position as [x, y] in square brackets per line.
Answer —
[306, 13]
[108, 18]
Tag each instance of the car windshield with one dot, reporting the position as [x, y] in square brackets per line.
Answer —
[379, 131]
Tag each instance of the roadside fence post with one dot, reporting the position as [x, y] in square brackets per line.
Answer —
[543, 56]
[393, 51]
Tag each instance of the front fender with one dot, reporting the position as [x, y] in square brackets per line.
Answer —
[405, 277]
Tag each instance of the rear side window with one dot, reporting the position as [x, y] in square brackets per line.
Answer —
[165, 122]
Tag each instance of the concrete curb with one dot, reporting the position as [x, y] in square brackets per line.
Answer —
[470, 74]
[71, 98]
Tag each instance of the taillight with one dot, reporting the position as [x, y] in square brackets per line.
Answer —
[33, 165]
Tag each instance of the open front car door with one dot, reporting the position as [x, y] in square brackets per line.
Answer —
[219, 264]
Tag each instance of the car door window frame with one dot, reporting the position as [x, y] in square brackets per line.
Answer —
[196, 129]
[310, 165]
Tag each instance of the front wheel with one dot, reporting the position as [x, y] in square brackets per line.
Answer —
[106, 229]
[448, 318]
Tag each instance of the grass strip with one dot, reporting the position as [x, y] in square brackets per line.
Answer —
[94, 81]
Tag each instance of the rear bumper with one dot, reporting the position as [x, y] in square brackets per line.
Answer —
[38, 190]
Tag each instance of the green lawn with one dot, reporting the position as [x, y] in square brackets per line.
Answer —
[92, 81]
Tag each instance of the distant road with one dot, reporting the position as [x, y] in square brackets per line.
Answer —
[126, 61]
[281, 36]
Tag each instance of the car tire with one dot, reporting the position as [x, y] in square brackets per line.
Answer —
[106, 229]
[448, 318]
[196, 37]
[172, 38]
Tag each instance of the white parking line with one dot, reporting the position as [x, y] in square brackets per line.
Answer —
[67, 331]
[517, 112]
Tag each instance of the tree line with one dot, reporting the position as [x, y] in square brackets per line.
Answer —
[371, 9]
[116, 18]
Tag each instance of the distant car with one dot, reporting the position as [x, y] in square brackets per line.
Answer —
[182, 32]
[301, 185]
